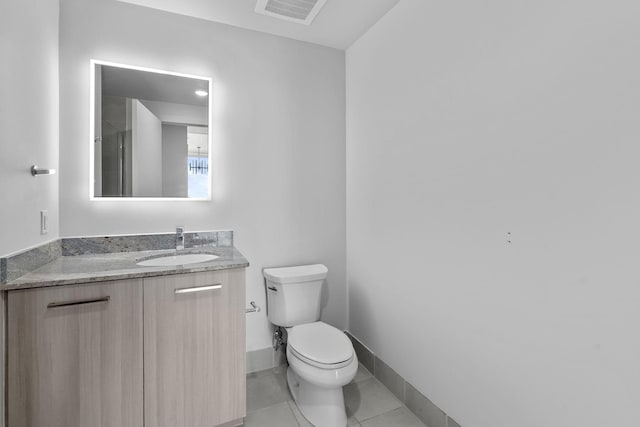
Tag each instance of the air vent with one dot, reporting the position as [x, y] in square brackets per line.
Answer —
[300, 11]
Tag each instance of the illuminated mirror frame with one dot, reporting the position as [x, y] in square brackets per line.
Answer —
[92, 136]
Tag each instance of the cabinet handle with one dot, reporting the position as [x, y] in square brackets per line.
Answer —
[78, 302]
[199, 289]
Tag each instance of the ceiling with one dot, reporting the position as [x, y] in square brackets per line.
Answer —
[338, 25]
[150, 86]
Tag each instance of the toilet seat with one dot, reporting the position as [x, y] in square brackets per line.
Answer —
[312, 362]
[320, 345]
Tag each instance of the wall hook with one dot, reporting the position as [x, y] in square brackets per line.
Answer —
[35, 171]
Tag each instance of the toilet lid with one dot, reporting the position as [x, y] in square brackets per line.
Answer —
[320, 343]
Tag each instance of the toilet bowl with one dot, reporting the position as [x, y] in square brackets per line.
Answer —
[321, 361]
[321, 358]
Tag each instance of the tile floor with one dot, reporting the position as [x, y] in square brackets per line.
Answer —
[368, 402]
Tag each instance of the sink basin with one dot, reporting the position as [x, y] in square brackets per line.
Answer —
[170, 260]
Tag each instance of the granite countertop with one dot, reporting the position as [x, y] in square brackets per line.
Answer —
[92, 268]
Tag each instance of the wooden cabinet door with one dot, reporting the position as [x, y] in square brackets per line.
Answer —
[194, 349]
[75, 356]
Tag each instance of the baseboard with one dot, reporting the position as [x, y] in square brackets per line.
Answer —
[235, 423]
[264, 358]
[415, 401]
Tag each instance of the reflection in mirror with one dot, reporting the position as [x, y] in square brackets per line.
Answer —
[150, 133]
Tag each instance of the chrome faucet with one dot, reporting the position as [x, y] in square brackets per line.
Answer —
[179, 238]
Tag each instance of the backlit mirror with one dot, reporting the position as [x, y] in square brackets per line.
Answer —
[150, 133]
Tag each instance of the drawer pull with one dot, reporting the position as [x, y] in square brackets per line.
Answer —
[199, 289]
[78, 302]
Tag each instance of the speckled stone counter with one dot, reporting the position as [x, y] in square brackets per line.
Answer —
[92, 268]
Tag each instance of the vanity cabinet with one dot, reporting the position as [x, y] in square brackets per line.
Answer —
[164, 351]
[194, 345]
[75, 356]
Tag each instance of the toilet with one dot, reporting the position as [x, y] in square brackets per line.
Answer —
[321, 358]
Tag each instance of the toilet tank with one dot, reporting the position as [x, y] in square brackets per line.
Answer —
[293, 294]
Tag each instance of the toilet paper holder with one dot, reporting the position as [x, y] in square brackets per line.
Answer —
[254, 308]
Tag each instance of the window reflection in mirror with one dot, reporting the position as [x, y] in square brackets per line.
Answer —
[150, 133]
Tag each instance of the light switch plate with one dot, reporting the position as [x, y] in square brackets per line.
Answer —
[44, 222]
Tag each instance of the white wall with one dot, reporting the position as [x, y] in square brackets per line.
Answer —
[169, 112]
[28, 121]
[278, 132]
[467, 121]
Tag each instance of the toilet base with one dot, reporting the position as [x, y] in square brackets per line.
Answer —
[322, 407]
